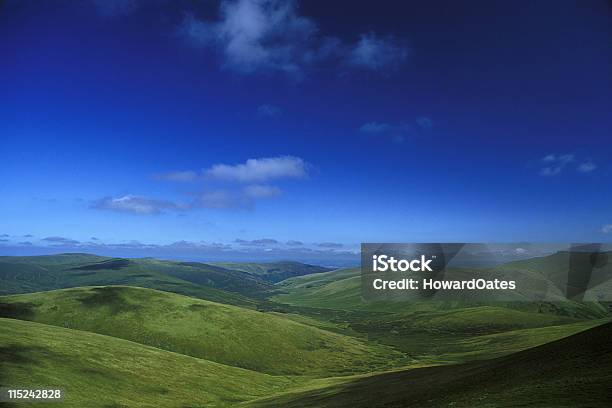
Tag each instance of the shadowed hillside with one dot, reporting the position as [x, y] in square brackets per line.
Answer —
[571, 372]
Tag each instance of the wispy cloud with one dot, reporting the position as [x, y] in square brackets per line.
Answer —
[260, 170]
[56, 240]
[255, 35]
[554, 164]
[241, 199]
[235, 186]
[376, 53]
[587, 167]
[607, 229]
[270, 36]
[292, 242]
[268, 111]
[424, 122]
[134, 205]
[256, 242]
[398, 132]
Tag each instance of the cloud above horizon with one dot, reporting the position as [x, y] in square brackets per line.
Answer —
[587, 167]
[399, 132]
[260, 170]
[256, 242]
[270, 36]
[56, 240]
[555, 164]
[376, 53]
[134, 204]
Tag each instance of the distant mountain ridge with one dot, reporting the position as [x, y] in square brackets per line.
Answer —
[242, 284]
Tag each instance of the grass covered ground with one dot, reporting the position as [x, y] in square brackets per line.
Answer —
[313, 343]
[264, 342]
[102, 371]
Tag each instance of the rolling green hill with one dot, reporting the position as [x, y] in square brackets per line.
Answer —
[222, 333]
[571, 372]
[39, 273]
[274, 271]
[341, 290]
[318, 344]
[102, 371]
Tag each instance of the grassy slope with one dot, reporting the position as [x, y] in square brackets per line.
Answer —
[101, 371]
[573, 371]
[341, 290]
[437, 332]
[226, 334]
[273, 271]
[39, 273]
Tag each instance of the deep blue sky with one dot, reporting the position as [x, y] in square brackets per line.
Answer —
[422, 121]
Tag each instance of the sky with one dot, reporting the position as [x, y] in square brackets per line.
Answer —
[259, 129]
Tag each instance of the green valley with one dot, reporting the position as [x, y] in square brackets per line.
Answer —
[147, 332]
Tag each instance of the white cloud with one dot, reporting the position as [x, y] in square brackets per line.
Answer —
[375, 127]
[134, 204]
[607, 229]
[398, 132]
[260, 170]
[555, 163]
[587, 167]
[376, 53]
[256, 35]
[270, 35]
